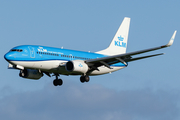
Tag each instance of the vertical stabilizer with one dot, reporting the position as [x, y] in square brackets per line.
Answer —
[119, 42]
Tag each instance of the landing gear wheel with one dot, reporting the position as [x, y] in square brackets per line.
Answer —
[84, 78]
[57, 82]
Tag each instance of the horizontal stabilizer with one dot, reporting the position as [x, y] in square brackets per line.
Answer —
[10, 66]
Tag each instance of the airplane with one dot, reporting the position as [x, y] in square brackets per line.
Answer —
[34, 61]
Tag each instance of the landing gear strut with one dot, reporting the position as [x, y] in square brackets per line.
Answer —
[84, 78]
[57, 81]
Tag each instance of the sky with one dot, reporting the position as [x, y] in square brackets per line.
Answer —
[146, 89]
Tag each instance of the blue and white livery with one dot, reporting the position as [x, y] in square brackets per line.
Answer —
[34, 61]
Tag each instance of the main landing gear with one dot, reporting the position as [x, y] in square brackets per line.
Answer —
[57, 81]
[84, 78]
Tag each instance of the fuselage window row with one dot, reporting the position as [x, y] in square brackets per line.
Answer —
[44, 53]
[69, 56]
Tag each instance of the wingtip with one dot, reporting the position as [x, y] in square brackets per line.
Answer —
[172, 39]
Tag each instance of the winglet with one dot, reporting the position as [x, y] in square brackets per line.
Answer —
[172, 39]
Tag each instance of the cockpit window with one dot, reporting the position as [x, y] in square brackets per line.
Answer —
[18, 50]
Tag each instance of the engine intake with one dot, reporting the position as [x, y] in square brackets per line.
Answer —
[30, 74]
[76, 66]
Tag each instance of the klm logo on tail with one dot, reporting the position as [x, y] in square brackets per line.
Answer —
[120, 42]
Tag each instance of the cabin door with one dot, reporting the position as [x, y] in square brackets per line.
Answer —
[32, 52]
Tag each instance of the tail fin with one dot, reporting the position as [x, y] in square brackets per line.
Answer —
[119, 42]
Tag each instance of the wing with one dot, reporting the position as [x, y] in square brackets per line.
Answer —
[124, 58]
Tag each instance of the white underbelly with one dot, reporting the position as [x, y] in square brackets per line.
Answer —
[46, 65]
[54, 66]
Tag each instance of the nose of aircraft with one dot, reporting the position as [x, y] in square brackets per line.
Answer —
[8, 56]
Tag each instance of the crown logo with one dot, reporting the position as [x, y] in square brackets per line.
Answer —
[120, 38]
[80, 65]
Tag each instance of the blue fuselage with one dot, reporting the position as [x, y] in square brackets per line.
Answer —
[49, 58]
[42, 53]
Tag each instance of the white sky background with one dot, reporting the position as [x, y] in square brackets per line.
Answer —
[146, 89]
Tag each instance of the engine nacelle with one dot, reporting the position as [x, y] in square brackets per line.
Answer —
[76, 66]
[30, 74]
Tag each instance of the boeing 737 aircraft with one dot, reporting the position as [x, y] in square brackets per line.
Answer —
[34, 61]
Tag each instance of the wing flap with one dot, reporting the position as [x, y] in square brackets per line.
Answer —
[138, 58]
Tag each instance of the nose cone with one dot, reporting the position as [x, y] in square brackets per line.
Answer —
[8, 56]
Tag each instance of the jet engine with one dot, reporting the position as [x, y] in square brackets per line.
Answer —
[30, 74]
[76, 66]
